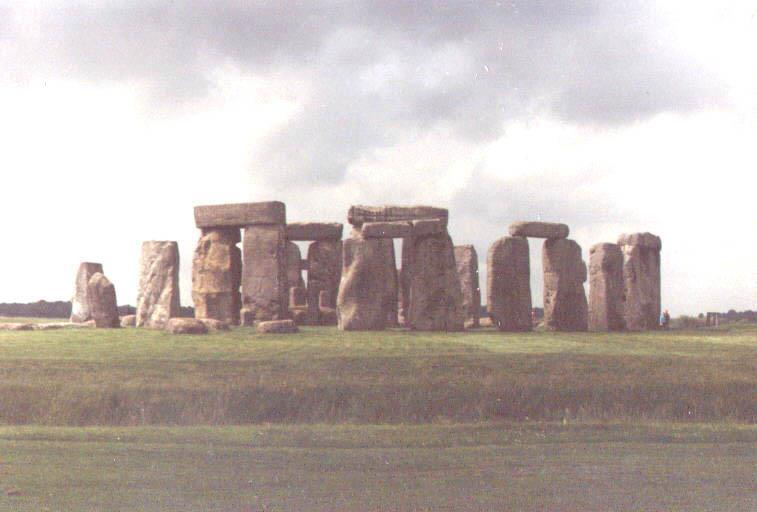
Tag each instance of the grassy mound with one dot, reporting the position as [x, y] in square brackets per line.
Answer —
[126, 377]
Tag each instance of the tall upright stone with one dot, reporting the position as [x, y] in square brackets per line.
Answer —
[158, 295]
[641, 280]
[264, 279]
[102, 301]
[606, 288]
[467, 272]
[80, 310]
[217, 275]
[565, 305]
[324, 272]
[508, 287]
[368, 278]
[436, 300]
[405, 273]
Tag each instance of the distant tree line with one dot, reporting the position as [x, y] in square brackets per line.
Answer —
[62, 309]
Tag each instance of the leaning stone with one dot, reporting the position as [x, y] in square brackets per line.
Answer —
[436, 300]
[80, 311]
[217, 275]
[641, 280]
[366, 278]
[214, 325]
[240, 215]
[129, 321]
[102, 301]
[358, 215]
[158, 295]
[264, 279]
[508, 299]
[606, 288]
[277, 327]
[396, 229]
[311, 231]
[324, 272]
[186, 326]
[294, 268]
[539, 229]
[467, 272]
[565, 305]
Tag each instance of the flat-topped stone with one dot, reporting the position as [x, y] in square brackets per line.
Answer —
[539, 229]
[647, 240]
[424, 227]
[393, 229]
[240, 214]
[312, 231]
[358, 215]
[186, 326]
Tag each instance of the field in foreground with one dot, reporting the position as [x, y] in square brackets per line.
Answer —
[489, 466]
[125, 377]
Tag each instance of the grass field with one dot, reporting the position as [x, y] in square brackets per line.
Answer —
[124, 377]
[133, 419]
[488, 466]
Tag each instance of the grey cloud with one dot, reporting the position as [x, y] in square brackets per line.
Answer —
[588, 62]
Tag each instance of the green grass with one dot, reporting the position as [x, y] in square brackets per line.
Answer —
[133, 377]
[485, 466]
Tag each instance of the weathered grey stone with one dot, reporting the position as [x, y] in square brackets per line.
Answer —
[186, 326]
[436, 300]
[467, 272]
[80, 311]
[294, 269]
[129, 321]
[16, 326]
[277, 327]
[641, 280]
[508, 298]
[324, 271]
[565, 305]
[299, 315]
[539, 229]
[264, 280]
[311, 231]
[215, 325]
[396, 229]
[217, 275]
[158, 295]
[606, 288]
[358, 215]
[102, 301]
[405, 273]
[424, 227]
[368, 279]
[240, 215]
[298, 296]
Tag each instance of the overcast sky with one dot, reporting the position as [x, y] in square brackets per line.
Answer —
[116, 118]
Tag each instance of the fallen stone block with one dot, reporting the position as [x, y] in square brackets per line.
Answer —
[129, 321]
[186, 326]
[16, 326]
[215, 325]
[240, 215]
[539, 229]
[277, 327]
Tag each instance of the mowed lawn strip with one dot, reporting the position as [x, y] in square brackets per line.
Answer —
[484, 466]
[146, 377]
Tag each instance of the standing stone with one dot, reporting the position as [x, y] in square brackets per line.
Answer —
[467, 271]
[508, 287]
[324, 271]
[158, 297]
[405, 273]
[264, 280]
[565, 306]
[102, 301]
[217, 274]
[80, 311]
[606, 288]
[366, 280]
[436, 300]
[641, 280]
[294, 268]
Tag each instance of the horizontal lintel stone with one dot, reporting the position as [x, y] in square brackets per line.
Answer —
[240, 214]
[312, 231]
[397, 229]
[539, 229]
[359, 215]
